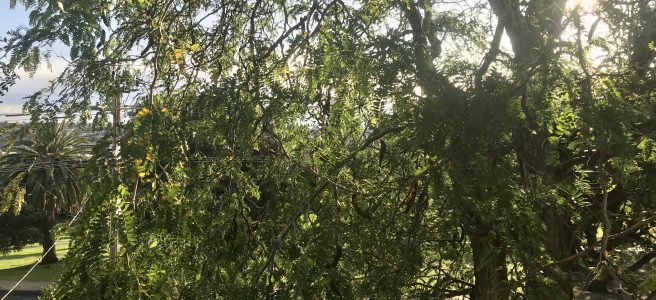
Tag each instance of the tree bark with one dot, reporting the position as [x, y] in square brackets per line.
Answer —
[560, 242]
[560, 238]
[47, 242]
[490, 268]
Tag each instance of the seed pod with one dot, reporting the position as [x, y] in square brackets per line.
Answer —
[411, 197]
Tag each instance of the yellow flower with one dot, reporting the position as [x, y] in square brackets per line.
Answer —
[165, 110]
[142, 174]
[179, 54]
[144, 112]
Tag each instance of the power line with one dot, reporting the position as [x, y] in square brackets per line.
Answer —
[93, 108]
[53, 183]
[42, 166]
[80, 163]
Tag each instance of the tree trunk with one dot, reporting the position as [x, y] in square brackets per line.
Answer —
[560, 242]
[47, 242]
[490, 270]
[560, 239]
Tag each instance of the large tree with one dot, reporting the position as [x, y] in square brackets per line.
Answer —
[41, 176]
[354, 149]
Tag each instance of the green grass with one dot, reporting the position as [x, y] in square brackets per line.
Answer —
[15, 264]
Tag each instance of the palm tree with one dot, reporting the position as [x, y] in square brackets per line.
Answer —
[41, 171]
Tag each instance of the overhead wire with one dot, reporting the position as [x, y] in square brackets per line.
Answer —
[79, 163]
[82, 163]
[46, 252]
[93, 108]
[53, 183]
[43, 165]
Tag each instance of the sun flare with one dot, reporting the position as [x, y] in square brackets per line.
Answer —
[585, 5]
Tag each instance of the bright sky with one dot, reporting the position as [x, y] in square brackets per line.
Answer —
[13, 102]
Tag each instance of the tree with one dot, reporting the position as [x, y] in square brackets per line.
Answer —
[334, 149]
[41, 172]
[19, 230]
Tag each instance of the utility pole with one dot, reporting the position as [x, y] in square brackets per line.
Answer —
[116, 124]
[116, 136]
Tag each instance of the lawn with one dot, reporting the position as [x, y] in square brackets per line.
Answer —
[14, 265]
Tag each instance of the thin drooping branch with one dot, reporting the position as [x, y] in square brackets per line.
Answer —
[158, 51]
[284, 35]
[632, 229]
[273, 249]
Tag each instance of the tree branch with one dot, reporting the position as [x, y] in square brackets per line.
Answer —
[273, 249]
[635, 227]
[491, 54]
[642, 261]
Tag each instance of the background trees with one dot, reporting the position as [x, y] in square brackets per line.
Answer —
[360, 149]
[40, 173]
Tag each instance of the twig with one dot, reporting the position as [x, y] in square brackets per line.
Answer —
[315, 194]
[633, 228]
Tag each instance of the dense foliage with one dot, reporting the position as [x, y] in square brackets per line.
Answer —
[19, 230]
[7, 78]
[357, 149]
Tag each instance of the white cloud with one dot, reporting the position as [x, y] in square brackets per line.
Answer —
[8, 108]
[27, 85]
[58, 66]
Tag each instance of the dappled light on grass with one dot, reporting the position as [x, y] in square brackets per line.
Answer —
[15, 264]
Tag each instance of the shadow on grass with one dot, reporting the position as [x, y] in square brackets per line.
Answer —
[48, 272]
[21, 295]
[19, 256]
